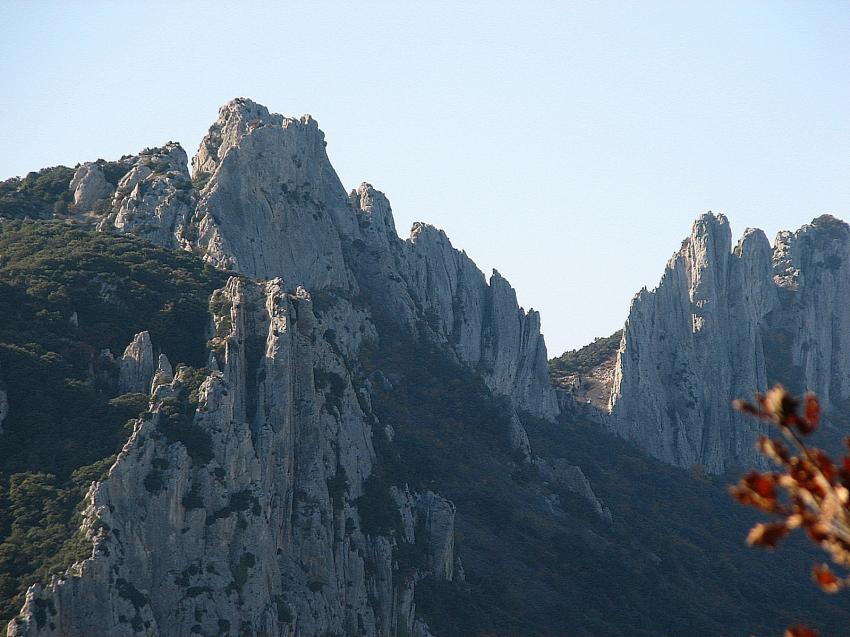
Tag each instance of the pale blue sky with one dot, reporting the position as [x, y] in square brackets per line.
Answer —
[569, 145]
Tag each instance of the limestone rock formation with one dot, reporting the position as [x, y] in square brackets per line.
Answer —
[812, 272]
[155, 199]
[138, 365]
[570, 477]
[267, 203]
[703, 321]
[89, 186]
[252, 510]
[726, 323]
[426, 281]
[272, 204]
[252, 504]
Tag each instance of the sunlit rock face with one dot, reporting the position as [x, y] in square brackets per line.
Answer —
[247, 520]
[812, 270]
[89, 186]
[154, 199]
[265, 201]
[723, 324]
[272, 205]
[239, 529]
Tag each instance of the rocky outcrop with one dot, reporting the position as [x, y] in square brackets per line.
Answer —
[272, 204]
[89, 186]
[810, 337]
[569, 477]
[703, 321]
[251, 505]
[155, 200]
[727, 323]
[137, 366]
[424, 281]
[267, 203]
[428, 520]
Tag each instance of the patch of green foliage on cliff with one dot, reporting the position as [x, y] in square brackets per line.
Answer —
[672, 563]
[65, 420]
[584, 359]
[38, 195]
[177, 416]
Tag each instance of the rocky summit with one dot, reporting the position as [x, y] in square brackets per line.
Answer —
[244, 530]
[234, 401]
[728, 322]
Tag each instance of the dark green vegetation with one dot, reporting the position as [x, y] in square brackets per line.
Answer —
[38, 195]
[65, 419]
[177, 415]
[674, 562]
[43, 194]
[584, 359]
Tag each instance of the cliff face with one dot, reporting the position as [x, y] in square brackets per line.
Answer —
[238, 504]
[725, 323]
[266, 202]
[250, 523]
[812, 271]
[439, 288]
[272, 204]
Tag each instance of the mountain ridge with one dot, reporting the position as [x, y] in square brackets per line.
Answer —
[365, 435]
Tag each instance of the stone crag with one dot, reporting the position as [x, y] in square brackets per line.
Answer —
[234, 508]
[248, 521]
[725, 323]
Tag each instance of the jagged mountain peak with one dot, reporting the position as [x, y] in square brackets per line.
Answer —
[753, 240]
[743, 318]
[242, 117]
[374, 211]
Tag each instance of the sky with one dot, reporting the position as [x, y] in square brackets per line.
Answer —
[570, 145]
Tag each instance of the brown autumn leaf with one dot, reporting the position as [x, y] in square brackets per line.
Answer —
[774, 450]
[780, 404]
[811, 409]
[767, 535]
[825, 578]
[762, 484]
[745, 407]
[825, 464]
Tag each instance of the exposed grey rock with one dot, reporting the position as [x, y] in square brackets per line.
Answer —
[163, 375]
[570, 477]
[435, 519]
[89, 186]
[518, 437]
[155, 199]
[267, 203]
[426, 281]
[724, 324]
[249, 536]
[812, 270]
[138, 365]
[429, 519]
[702, 323]
[272, 205]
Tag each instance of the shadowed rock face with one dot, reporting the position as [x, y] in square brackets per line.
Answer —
[725, 323]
